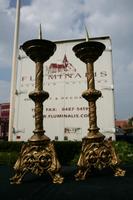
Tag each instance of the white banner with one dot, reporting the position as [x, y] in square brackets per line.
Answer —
[65, 111]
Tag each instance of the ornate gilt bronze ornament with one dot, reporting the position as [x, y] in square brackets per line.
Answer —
[96, 152]
[38, 154]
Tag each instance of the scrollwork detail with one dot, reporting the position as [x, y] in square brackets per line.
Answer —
[37, 160]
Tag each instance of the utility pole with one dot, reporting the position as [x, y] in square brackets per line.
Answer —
[14, 71]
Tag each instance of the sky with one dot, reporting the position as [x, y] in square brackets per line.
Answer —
[63, 19]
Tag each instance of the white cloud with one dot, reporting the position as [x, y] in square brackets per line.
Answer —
[4, 4]
[60, 19]
[7, 24]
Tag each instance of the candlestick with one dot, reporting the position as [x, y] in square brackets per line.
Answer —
[96, 152]
[38, 154]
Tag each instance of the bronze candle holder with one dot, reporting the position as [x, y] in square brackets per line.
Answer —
[38, 154]
[96, 153]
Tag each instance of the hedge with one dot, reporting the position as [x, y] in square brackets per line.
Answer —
[10, 146]
[67, 151]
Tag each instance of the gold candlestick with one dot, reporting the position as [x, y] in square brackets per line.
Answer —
[96, 151]
[38, 154]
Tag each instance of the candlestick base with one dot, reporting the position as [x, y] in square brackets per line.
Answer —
[37, 157]
[97, 155]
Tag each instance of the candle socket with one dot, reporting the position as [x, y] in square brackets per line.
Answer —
[38, 154]
[96, 153]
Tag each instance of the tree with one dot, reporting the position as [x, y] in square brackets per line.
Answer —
[130, 121]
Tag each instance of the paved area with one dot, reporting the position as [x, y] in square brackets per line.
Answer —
[99, 186]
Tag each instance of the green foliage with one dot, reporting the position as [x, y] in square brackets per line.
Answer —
[7, 158]
[67, 151]
[124, 151]
[130, 121]
[10, 146]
